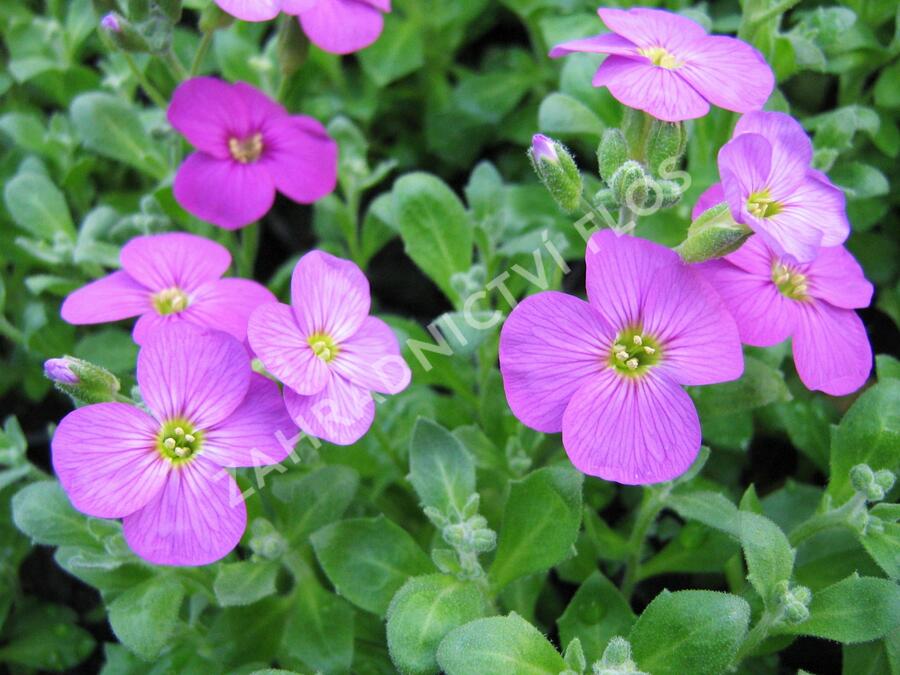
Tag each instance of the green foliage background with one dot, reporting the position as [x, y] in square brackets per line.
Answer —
[342, 570]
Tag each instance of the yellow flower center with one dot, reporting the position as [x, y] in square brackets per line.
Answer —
[790, 282]
[171, 301]
[246, 150]
[324, 346]
[659, 56]
[178, 441]
[633, 353]
[761, 205]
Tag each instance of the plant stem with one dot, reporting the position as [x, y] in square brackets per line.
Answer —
[775, 10]
[756, 635]
[10, 331]
[824, 521]
[605, 218]
[202, 49]
[178, 72]
[651, 504]
[152, 92]
[249, 246]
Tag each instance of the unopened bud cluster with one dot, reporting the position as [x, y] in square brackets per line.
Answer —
[469, 535]
[266, 541]
[616, 659]
[794, 602]
[148, 25]
[713, 235]
[874, 485]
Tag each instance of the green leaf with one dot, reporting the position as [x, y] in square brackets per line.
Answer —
[500, 644]
[245, 582]
[369, 559]
[760, 385]
[540, 523]
[308, 502]
[441, 469]
[398, 53]
[110, 126]
[710, 508]
[435, 228]
[45, 637]
[38, 206]
[857, 609]
[144, 617]
[596, 613]
[770, 558]
[43, 512]
[563, 114]
[869, 433]
[422, 612]
[689, 632]
[884, 547]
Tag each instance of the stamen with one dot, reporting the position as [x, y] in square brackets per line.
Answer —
[618, 348]
[188, 438]
[179, 431]
[170, 301]
[169, 443]
[638, 340]
[632, 364]
[323, 346]
[659, 56]
[622, 355]
[649, 350]
[633, 352]
[246, 150]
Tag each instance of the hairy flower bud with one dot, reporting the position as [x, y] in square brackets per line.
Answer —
[82, 380]
[611, 153]
[557, 171]
[712, 235]
[616, 659]
[631, 185]
[861, 477]
[574, 656]
[664, 146]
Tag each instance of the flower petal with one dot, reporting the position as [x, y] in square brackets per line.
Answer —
[744, 165]
[251, 10]
[297, 6]
[342, 26]
[776, 127]
[197, 519]
[727, 72]
[763, 315]
[184, 372]
[259, 432]
[620, 270]
[226, 305]
[301, 157]
[652, 27]
[813, 215]
[635, 431]
[151, 322]
[224, 192]
[714, 194]
[110, 298]
[329, 295]
[607, 43]
[371, 359]
[657, 91]
[282, 346]
[175, 259]
[754, 256]
[550, 344]
[106, 458]
[341, 413]
[699, 339]
[835, 277]
[831, 349]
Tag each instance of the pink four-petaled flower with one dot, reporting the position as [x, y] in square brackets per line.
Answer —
[248, 146]
[167, 279]
[326, 349]
[163, 471]
[668, 66]
[337, 26]
[772, 298]
[608, 372]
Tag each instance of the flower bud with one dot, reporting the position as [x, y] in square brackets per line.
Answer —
[665, 145]
[110, 22]
[713, 235]
[557, 170]
[484, 540]
[123, 33]
[83, 381]
[631, 185]
[862, 477]
[795, 612]
[634, 128]
[611, 153]
[616, 659]
[471, 506]
[266, 541]
[574, 656]
[885, 479]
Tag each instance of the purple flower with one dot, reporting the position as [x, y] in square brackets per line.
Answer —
[607, 372]
[542, 148]
[167, 279]
[337, 26]
[773, 298]
[667, 65]
[770, 187]
[162, 471]
[248, 146]
[60, 370]
[111, 23]
[327, 350]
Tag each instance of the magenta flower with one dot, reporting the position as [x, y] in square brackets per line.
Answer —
[162, 470]
[327, 350]
[337, 26]
[248, 146]
[607, 372]
[667, 65]
[773, 298]
[167, 279]
[770, 186]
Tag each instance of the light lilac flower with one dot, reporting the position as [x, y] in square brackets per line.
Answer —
[542, 148]
[773, 298]
[167, 279]
[111, 23]
[60, 370]
[337, 26]
[327, 350]
[248, 146]
[770, 186]
[162, 470]
[608, 372]
[667, 65]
